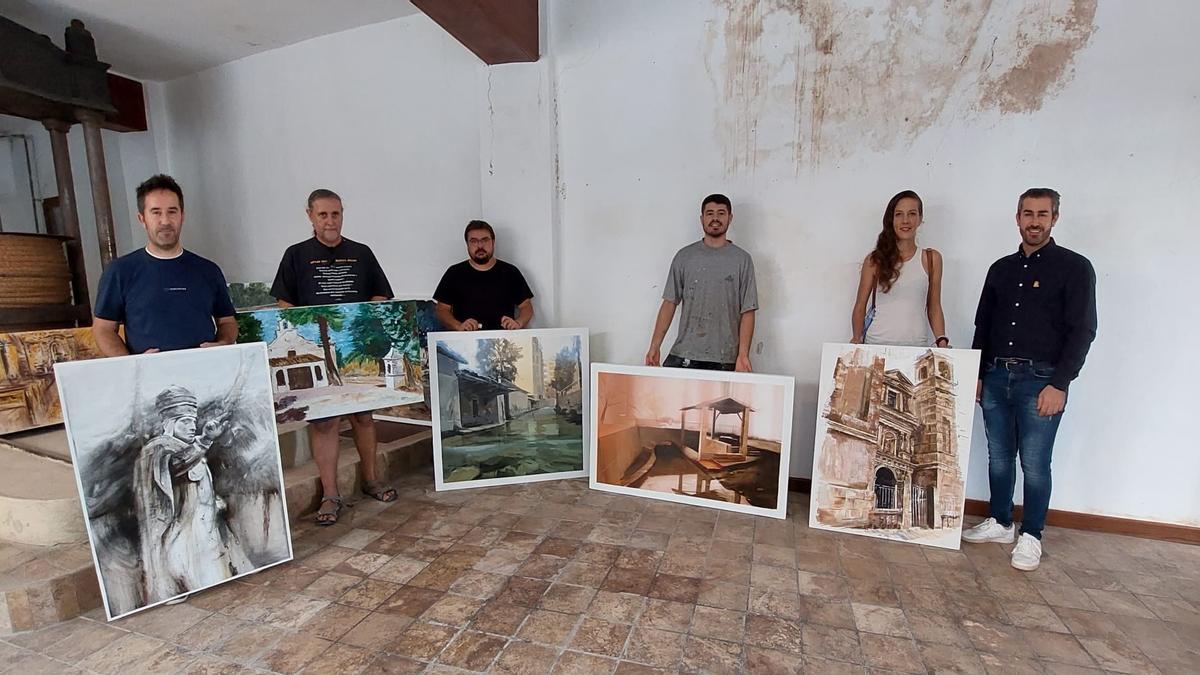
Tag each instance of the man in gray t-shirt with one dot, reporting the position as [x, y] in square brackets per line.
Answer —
[714, 279]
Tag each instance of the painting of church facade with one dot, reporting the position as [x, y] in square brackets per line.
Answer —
[178, 470]
[706, 438]
[28, 395]
[339, 359]
[893, 442]
[510, 406]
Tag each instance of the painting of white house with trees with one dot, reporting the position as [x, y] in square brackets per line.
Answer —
[338, 359]
[509, 406]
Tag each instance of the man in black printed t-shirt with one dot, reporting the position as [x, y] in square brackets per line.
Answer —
[482, 292]
[329, 269]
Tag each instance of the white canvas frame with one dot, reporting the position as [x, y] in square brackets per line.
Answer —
[164, 357]
[966, 364]
[435, 405]
[789, 391]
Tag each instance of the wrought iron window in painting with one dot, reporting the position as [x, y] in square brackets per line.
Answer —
[885, 489]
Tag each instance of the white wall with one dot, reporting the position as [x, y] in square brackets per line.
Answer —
[591, 164]
[385, 115]
[810, 124]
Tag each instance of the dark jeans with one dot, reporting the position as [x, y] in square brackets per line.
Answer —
[1010, 417]
[673, 361]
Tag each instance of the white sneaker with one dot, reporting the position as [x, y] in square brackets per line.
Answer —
[1028, 553]
[988, 531]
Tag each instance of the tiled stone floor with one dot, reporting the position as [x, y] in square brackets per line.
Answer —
[553, 577]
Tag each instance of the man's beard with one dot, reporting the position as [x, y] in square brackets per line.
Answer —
[481, 257]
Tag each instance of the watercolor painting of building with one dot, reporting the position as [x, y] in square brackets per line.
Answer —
[893, 442]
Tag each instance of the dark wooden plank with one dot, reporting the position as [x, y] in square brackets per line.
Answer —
[497, 31]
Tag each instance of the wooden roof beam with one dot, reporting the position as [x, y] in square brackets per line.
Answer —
[497, 31]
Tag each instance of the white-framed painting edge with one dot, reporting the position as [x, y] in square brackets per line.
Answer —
[439, 484]
[87, 522]
[821, 426]
[789, 392]
[404, 420]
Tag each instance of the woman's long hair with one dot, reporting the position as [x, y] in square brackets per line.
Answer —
[886, 255]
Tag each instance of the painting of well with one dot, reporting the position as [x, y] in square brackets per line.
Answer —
[510, 406]
[338, 359]
[706, 439]
[893, 442]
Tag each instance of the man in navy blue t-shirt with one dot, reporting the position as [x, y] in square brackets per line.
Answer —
[167, 298]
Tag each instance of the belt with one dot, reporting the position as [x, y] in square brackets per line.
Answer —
[1020, 365]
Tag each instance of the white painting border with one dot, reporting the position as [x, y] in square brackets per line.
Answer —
[965, 388]
[789, 393]
[261, 347]
[435, 406]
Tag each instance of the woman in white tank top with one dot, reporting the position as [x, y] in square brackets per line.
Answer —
[902, 282]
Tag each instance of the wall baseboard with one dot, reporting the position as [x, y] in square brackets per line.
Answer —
[1145, 529]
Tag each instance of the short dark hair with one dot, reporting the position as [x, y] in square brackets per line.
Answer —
[322, 193]
[716, 198]
[478, 225]
[156, 182]
[1041, 193]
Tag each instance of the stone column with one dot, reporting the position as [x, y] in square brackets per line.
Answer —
[99, 181]
[68, 208]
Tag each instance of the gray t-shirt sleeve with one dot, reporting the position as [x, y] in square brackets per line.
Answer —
[749, 300]
[673, 289]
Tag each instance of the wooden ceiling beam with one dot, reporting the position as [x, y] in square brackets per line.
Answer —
[497, 31]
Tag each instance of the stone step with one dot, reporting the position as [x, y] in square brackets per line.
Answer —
[403, 449]
[42, 585]
[39, 502]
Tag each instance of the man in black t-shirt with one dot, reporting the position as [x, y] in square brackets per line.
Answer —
[323, 270]
[482, 292]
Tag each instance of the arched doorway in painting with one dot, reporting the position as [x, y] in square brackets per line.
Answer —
[885, 489]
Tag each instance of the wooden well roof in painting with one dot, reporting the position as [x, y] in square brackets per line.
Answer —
[724, 405]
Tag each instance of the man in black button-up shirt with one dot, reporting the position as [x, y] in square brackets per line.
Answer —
[1035, 322]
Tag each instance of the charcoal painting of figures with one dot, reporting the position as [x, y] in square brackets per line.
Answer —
[177, 461]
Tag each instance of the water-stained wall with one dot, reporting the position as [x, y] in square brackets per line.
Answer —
[810, 114]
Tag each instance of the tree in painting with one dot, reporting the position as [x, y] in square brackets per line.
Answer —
[249, 296]
[327, 318]
[499, 358]
[399, 322]
[566, 365]
[369, 337]
[250, 329]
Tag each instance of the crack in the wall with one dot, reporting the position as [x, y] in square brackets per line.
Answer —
[865, 77]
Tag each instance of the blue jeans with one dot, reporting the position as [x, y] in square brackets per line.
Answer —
[1014, 427]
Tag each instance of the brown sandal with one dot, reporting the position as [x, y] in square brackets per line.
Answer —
[327, 517]
[379, 490]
